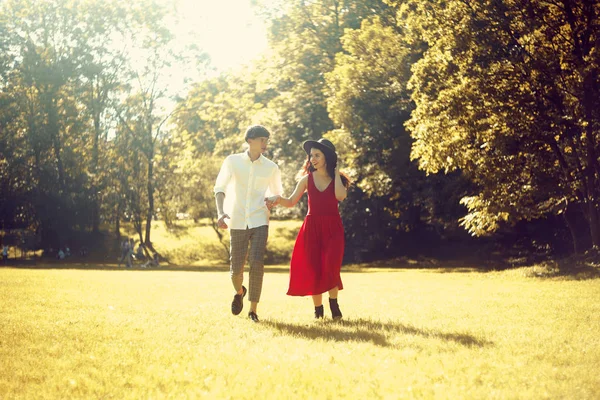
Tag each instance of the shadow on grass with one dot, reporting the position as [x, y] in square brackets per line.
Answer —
[365, 330]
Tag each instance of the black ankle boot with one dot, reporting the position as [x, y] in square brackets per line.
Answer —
[319, 312]
[335, 309]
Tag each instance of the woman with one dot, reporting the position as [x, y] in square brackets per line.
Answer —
[319, 249]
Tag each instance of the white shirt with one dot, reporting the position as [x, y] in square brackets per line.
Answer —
[248, 183]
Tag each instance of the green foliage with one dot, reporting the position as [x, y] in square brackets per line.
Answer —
[435, 107]
[50, 66]
[369, 98]
[507, 92]
[84, 139]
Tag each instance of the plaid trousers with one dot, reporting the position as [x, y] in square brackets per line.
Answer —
[240, 238]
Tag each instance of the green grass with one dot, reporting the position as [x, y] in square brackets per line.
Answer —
[432, 334]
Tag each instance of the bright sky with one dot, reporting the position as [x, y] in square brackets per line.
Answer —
[228, 30]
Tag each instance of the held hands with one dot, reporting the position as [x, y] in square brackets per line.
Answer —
[221, 222]
[272, 201]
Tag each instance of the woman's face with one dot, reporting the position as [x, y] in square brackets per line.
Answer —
[317, 158]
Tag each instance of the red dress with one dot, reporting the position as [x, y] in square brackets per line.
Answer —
[319, 249]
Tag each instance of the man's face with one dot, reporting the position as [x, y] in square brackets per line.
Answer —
[258, 144]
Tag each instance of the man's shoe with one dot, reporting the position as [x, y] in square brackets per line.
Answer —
[252, 315]
[335, 309]
[238, 302]
[319, 312]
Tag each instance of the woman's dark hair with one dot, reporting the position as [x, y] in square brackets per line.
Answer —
[308, 167]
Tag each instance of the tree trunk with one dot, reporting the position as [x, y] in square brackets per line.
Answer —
[54, 130]
[118, 222]
[95, 201]
[150, 188]
[594, 223]
[573, 230]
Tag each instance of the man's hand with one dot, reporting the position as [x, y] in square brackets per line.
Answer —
[272, 201]
[221, 222]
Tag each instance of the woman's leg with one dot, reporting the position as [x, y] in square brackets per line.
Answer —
[317, 299]
[318, 302]
[333, 293]
[333, 304]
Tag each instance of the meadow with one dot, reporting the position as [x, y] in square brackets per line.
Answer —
[102, 332]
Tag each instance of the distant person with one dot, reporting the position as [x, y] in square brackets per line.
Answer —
[246, 177]
[317, 256]
[139, 254]
[83, 252]
[60, 255]
[5, 253]
[126, 252]
[67, 251]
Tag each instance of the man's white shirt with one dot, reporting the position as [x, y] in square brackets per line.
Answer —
[245, 185]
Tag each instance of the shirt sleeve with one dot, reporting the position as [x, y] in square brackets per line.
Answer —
[275, 186]
[223, 177]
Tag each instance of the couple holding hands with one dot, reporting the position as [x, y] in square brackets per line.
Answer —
[316, 260]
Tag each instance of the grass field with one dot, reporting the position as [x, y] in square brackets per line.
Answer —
[432, 334]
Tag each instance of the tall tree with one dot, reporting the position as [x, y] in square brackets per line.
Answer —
[46, 55]
[508, 92]
[151, 100]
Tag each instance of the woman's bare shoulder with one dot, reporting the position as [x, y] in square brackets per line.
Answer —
[303, 178]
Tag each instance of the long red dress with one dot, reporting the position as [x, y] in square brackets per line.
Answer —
[319, 249]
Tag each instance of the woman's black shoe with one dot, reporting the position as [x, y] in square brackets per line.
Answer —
[335, 309]
[319, 312]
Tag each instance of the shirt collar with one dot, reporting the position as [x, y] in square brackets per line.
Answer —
[259, 159]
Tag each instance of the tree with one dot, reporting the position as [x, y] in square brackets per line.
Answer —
[507, 92]
[151, 103]
[45, 60]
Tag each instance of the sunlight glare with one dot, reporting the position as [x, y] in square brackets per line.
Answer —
[228, 30]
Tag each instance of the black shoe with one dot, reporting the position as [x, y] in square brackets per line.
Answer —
[319, 312]
[238, 302]
[252, 315]
[335, 309]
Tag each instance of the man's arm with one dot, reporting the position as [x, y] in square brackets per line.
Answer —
[275, 185]
[219, 189]
[220, 198]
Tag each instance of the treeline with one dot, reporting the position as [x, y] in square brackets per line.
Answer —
[85, 89]
[452, 117]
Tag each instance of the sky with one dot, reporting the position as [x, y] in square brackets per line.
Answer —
[227, 30]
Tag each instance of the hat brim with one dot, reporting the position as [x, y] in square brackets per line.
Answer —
[330, 154]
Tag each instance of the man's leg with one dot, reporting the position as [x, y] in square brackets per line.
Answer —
[238, 249]
[258, 245]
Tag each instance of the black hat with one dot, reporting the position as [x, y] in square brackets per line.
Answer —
[256, 131]
[325, 146]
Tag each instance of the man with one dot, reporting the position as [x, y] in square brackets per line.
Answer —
[247, 177]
